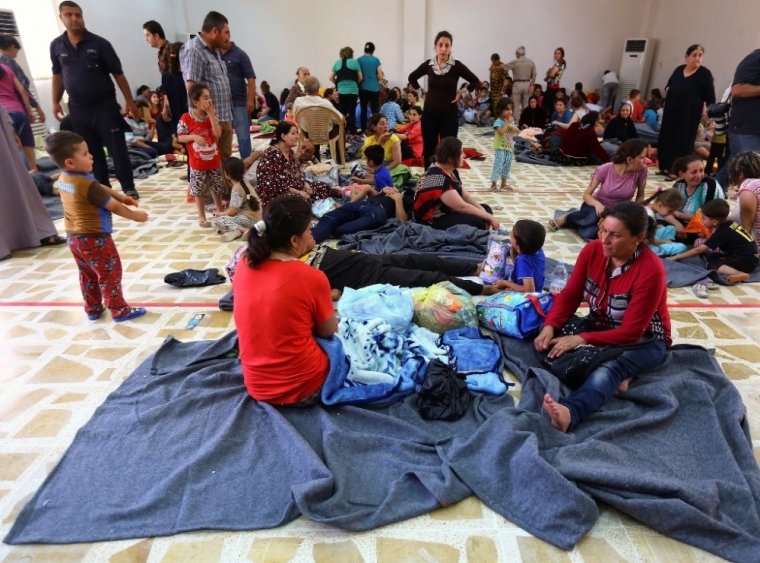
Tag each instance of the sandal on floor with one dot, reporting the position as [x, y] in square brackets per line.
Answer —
[230, 236]
[134, 312]
[52, 241]
[553, 225]
[670, 178]
[700, 290]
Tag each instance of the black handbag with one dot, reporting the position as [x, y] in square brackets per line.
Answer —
[573, 367]
[718, 110]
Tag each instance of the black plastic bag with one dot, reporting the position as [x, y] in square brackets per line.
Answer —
[444, 395]
[195, 278]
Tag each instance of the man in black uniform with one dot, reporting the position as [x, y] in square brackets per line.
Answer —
[82, 65]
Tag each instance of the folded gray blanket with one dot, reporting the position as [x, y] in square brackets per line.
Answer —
[461, 242]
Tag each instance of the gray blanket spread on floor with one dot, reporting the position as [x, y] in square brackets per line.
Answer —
[461, 242]
[180, 446]
[688, 272]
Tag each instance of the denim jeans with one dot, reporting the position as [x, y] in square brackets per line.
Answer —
[19, 120]
[350, 218]
[585, 220]
[241, 123]
[604, 380]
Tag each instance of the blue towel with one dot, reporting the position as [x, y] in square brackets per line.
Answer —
[478, 357]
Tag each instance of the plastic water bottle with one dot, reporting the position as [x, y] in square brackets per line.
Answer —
[558, 279]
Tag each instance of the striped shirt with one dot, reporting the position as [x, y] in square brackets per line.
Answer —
[201, 64]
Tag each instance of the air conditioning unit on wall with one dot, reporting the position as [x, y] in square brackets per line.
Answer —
[8, 27]
[635, 67]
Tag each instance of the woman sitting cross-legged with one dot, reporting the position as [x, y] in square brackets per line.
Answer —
[580, 145]
[281, 304]
[616, 181]
[441, 201]
[278, 171]
[619, 129]
[623, 282]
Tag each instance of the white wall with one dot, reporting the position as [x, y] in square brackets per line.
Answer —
[728, 30]
[280, 37]
[582, 27]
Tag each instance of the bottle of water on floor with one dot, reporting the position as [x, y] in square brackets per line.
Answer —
[558, 279]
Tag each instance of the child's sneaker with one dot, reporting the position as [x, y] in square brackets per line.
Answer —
[95, 316]
[134, 312]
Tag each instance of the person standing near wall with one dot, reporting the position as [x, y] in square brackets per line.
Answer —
[242, 80]
[689, 88]
[553, 76]
[156, 38]
[201, 61]
[440, 116]
[9, 48]
[369, 87]
[744, 119]
[610, 86]
[82, 65]
[346, 74]
[524, 77]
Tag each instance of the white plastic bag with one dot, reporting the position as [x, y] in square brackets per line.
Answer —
[381, 301]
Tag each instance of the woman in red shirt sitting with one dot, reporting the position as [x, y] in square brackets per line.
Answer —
[624, 284]
[281, 304]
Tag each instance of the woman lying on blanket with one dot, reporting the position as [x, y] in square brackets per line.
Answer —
[624, 284]
[280, 306]
[348, 268]
[612, 183]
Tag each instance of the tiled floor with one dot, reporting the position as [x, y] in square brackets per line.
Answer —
[57, 367]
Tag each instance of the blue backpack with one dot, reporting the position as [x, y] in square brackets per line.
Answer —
[514, 314]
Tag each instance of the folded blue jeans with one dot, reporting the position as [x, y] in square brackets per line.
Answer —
[350, 218]
[602, 383]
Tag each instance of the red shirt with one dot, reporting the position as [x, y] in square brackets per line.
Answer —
[413, 132]
[638, 112]
[625, 305]
[277, 307]
[201, 158]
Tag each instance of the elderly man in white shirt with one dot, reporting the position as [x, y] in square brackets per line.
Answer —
[313, 99]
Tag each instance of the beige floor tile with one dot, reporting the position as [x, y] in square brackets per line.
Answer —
[481, 550]
[274, 550]
[469, 509]
[138, 553]
[338, 552]
[209, 551]
[12, 465]
[47, 424]
[391, 550]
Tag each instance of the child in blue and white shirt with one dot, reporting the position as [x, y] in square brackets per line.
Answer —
[505, 130]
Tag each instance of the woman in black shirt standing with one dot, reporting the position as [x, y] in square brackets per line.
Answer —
[440, 115]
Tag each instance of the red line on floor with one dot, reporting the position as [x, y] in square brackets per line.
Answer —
[70, 304]
[214, 304]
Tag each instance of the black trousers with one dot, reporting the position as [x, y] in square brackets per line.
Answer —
[436, 126]
[344, 268]
[105, 128]
[368, 98]
[347, 104]
[549, 95]
[452, 219]
[717, 152]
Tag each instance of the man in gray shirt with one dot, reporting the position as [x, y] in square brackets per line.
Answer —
[201, 61]
[524, 77]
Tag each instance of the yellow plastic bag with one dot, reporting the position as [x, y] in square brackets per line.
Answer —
[443, 307]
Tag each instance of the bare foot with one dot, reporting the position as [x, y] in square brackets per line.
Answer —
[623, 387]
[736, 278]
[479, 269]
[508, 187]
[493, 186]
[202, 222]
[559, 414]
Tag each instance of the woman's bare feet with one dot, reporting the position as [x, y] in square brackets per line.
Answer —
[623, 387]
[736, 278]
[559, 414]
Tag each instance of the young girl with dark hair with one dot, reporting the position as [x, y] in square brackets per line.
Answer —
[244, 208]
[281, 304]
[199, 130]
